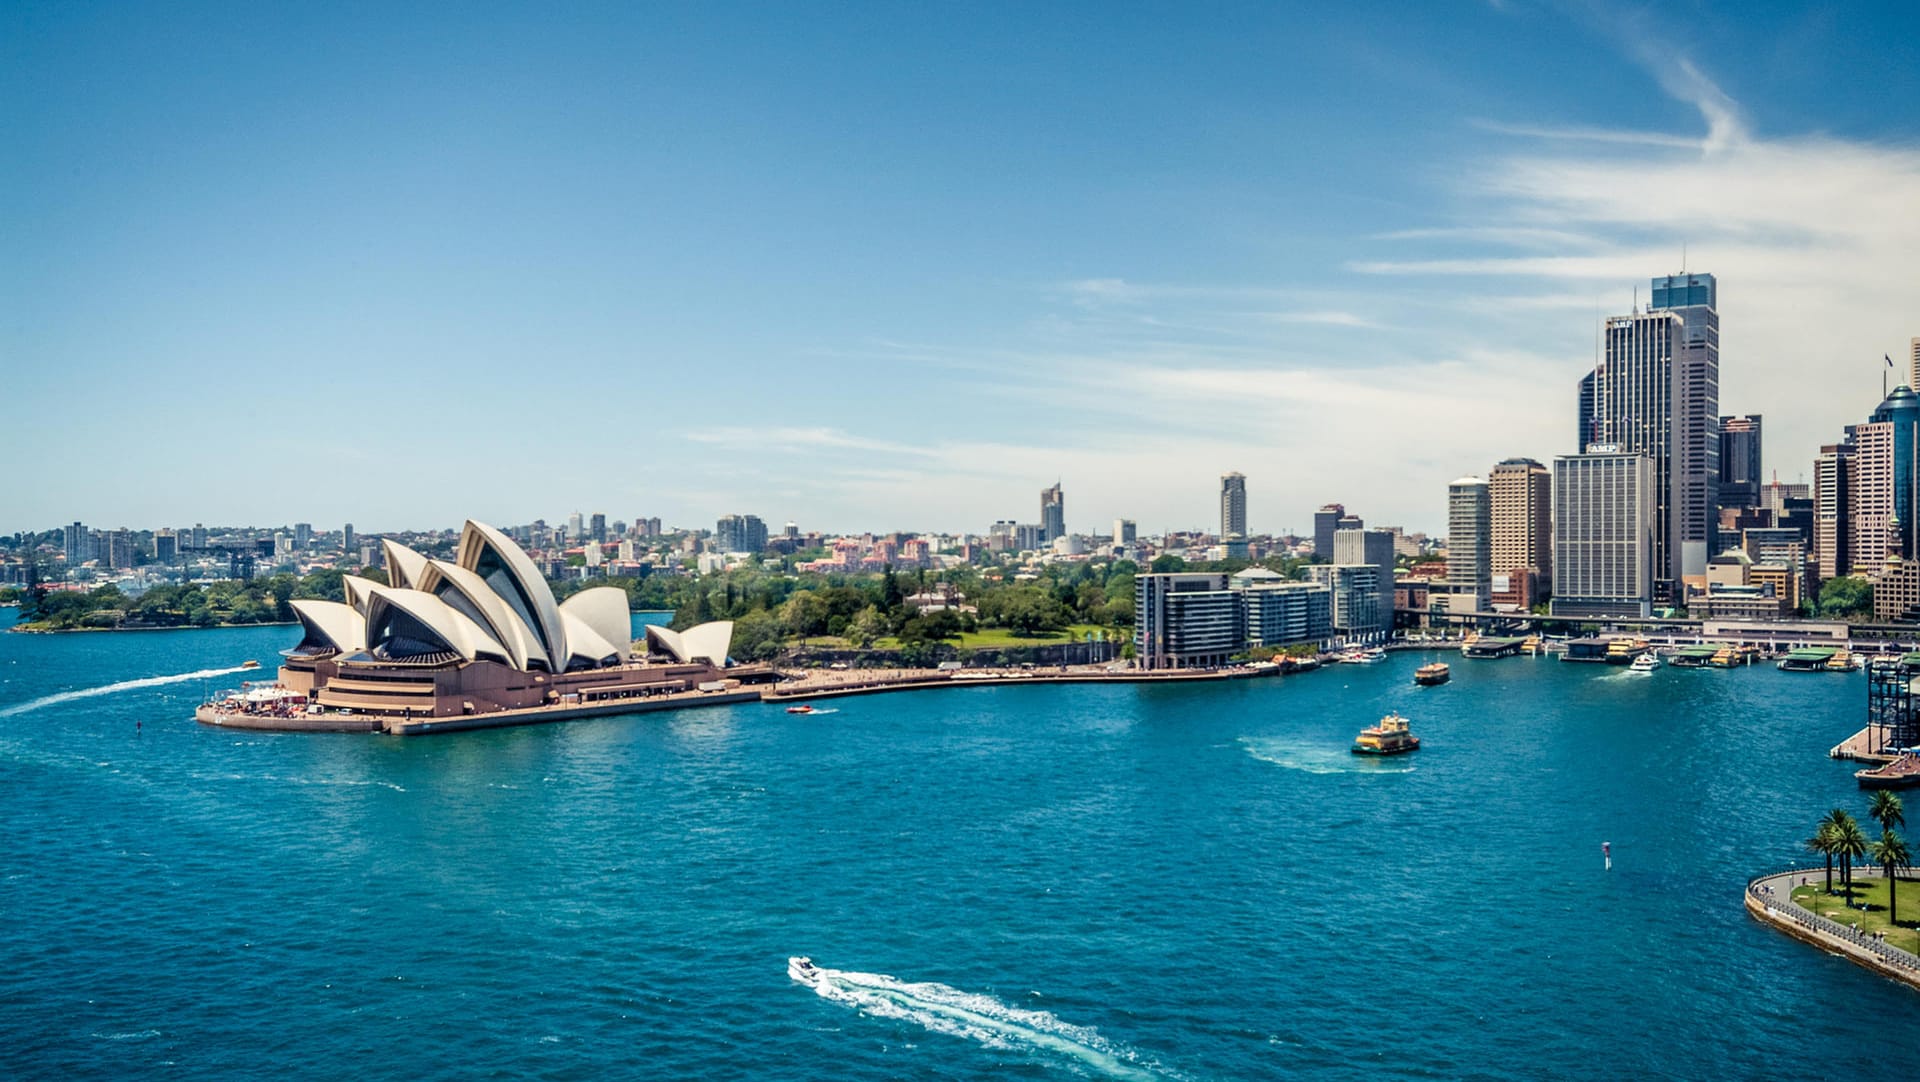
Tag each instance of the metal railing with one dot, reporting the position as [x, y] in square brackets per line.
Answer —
[1785, 905]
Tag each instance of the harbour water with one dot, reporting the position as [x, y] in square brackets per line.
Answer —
[1024, 882]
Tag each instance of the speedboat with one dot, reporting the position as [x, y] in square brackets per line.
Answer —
[1646, 662]
[249, 664]
[802, 969]
[803, 708]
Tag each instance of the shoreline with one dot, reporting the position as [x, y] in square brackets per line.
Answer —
[25, 630]
[839, 684]
[1780, 912]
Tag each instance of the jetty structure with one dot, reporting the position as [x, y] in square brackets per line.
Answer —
[479, 641]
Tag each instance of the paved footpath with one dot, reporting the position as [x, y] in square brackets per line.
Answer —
[1770, 899]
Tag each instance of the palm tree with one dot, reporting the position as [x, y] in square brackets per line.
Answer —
[1822, 843]
[1850, 844]
[1885, 806]
[1830, 825]
[1890, 852]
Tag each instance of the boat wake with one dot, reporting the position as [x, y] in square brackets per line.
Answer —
[1322, 760]
[942, 1009]
[110, 689]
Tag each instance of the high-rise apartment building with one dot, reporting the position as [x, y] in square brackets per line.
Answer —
[1740, 476]
[740, 533]
[1371, 548]
[302, 536]
[1325, 522]
[1657, 393]
[1520, 501]
[1125, 532]
[1832, 539]
[1604, 517]
[1469, 546]
[1913, 366]
[346, 538]
[76, 544]
[1053, 513]
[166, 546]
[1233, 505]
[576, 527]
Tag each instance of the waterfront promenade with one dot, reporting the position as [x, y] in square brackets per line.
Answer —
[1769, 898]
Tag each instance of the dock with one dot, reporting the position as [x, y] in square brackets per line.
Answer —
[1488, 648]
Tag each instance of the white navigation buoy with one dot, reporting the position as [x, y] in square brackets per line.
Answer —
[1606, 850]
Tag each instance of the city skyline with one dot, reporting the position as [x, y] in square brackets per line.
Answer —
[1124, 299]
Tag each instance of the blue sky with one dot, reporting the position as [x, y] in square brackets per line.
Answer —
[875, 267]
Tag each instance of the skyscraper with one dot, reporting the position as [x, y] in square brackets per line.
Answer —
[1740, 476]
[576, 529]
[1519, 495]
[1233, 505]
[597, 527]
[1124, 531]
[1325, 522]
[1831, 539]
[1053, 513]
[1469, 552]
[346, 538]
[77, 545]
[1586, 414]
[1657, 392]
[302, 536]
[166, 546]
[1604, 514]
[1913, 367]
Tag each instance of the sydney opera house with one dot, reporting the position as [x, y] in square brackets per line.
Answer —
[481, 634]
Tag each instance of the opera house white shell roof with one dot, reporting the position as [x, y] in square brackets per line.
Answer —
[488, 604]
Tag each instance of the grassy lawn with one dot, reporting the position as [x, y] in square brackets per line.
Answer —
[1873, 894]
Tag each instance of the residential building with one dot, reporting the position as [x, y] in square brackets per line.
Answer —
[1233, 506]
[119, 549]
[1280, 612]
[1325, 522]
[1186, 620]
[346, 538]
[1374, 548]
[1469, 546]
[302, 536]
[740, 533]
[166, 546]
[1053, 514]
[597, 527]
[1604, 518]
[1124, 531]
[1740, 476]
[77, 544]
[1520, 503]
[1913, 366]
[576, 528]
[1831, 504]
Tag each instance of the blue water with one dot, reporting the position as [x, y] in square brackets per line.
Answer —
[1029, 882]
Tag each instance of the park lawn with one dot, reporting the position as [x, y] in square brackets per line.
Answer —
[1873, 894]
[987, 638]
[1000, 637]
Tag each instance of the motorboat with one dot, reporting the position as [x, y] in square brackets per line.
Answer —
[1390, 737]
[803, 708]
[1358, 656]
[1646, 662]
[802, 969]
[249, 664]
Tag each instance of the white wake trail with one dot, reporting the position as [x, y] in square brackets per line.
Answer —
[939, 1008]
[111, 689]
